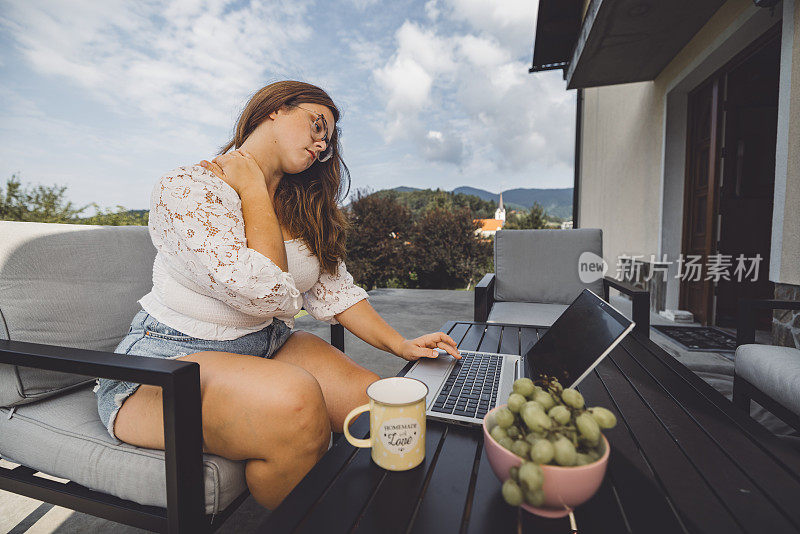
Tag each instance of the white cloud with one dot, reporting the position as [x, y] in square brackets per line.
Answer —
[432, 10]
[482, 51]
[433, 52]
[368, 54]
[438, 147]
[163, 60]
[407, 83]
[361, 5]
[510, 21]
[474, 83]
[421, 60]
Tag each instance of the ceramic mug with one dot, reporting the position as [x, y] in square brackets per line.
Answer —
[396, 421]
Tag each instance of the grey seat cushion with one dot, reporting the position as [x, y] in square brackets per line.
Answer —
[69, 285]
[542, 265]
[63, 436]
[773, 370]
[526, 313]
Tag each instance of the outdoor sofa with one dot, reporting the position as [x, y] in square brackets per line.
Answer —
[67, 296]
[536, 278]
[766, 374]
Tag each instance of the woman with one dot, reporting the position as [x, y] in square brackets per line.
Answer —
[243, 243]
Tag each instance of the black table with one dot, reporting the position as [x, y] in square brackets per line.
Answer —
[683, 459]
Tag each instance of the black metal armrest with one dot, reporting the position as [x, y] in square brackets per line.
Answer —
[337, 336]
[746, 327]
[183, 431]
[640, 299]
[484, 298]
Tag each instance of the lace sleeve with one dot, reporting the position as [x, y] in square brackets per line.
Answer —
[332, 294]
[196, 224]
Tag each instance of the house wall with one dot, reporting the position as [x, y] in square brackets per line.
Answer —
[633, 147]
[786, 233]
[620, 167]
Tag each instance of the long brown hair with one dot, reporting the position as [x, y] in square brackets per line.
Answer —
[305, 203]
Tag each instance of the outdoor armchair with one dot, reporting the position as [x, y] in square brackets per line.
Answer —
[536, 278]
[766, 374]
[67, 296]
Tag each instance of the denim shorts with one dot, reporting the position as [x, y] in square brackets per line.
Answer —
[148, 337]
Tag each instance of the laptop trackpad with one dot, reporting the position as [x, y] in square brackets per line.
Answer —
[432, 371]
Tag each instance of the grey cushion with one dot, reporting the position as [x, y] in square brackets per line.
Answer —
[68, 285]
[63, 436]
[526, 313]
[542, 265]
[773, 370]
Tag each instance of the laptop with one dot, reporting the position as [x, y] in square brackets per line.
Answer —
[463, 391]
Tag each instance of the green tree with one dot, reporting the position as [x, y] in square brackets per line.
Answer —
[36, 203]
[377, 240]
[119, 216]
[446, 252]
[531, 219]
[48, 204]
[421, 201]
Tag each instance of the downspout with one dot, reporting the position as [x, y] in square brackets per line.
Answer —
[577, 165]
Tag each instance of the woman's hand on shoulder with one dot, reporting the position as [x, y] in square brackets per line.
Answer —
[425, 347]
[238, 169]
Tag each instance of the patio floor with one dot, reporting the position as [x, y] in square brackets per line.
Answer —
[412, 312]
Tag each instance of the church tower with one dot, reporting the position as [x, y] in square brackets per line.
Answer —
[500, 212]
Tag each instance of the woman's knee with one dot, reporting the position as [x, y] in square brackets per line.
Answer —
[305, 415]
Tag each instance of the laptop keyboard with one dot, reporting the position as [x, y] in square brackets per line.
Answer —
[471, 388]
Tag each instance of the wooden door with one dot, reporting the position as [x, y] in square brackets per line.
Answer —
[748, 176]
[699, 197]
[730, 176]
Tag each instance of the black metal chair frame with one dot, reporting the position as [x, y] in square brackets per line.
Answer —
[484, 300]
[743, 391]
[180, 383]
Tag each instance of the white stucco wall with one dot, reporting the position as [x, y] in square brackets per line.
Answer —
[621, 169]
[785, 260]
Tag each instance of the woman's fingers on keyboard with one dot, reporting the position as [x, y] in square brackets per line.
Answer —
[447, 348]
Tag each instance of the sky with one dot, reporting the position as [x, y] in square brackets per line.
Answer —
[105, 97]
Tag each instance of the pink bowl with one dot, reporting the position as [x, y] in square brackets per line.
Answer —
[564, 487]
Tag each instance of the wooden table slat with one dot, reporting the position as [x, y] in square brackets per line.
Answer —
[341, 505]
[390, 508]
[640, 493]
[509, 341]
[488, 511]
[696, 501]
[457, 331]
[491, 339]
[755, 511]
[748, 429]
[472, 339]
[445, 496]
[600, 514]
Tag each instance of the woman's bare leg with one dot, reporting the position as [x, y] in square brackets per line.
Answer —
[343, 382]
[270, 413]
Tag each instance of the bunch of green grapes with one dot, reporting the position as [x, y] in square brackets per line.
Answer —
[544, 423]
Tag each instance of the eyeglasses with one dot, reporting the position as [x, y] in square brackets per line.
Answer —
[319, 132]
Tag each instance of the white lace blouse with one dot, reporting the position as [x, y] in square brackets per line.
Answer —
[209, 285]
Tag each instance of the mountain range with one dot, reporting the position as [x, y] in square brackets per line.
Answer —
[557, 202]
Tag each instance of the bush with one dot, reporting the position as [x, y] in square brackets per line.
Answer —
[386, 247]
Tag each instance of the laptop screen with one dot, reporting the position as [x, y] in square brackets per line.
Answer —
[577, 340]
